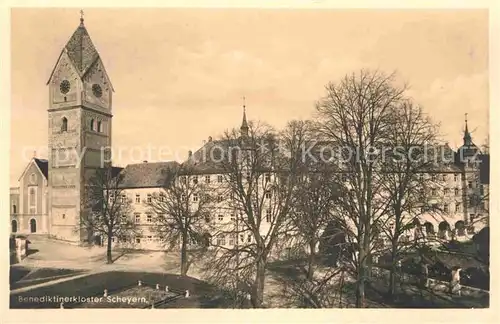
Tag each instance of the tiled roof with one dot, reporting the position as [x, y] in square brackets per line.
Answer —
[44, 166]
[80, 49]
[207, 158]
[147, 175]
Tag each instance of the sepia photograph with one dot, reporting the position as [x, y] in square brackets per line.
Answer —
[249, 158]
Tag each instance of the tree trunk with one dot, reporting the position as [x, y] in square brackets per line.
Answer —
[311, 259]
[392, 273]
[108, 249]
[360, 282]
[184, 256]
[258, 288]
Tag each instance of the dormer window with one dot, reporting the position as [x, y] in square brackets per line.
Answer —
[64, 124]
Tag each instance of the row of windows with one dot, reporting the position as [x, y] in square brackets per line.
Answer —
[458, 207]
[220, 178]
[149, 198]
[446, 191]
[231, 239]
[95, 125]
[137, 218]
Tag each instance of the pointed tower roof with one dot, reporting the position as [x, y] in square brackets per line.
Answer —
[467, 135]
[244, 124]
[81, 51]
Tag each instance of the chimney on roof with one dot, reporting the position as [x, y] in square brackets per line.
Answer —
[204, 142]
[190, 153]
[210, 138]
[144, 161]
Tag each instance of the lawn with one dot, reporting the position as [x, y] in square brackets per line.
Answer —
[37, 276]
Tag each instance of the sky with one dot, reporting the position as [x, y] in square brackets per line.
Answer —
[180, 74]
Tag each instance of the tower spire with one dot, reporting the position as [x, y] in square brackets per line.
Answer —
[467, 136]
[244, 124]
[81, 17]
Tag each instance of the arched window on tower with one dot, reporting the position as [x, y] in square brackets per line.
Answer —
[99, 126]
[92, 124]
[64, 125]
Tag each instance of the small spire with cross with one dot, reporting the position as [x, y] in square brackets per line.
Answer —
[244, 124]
[81, 17]
[467, 135]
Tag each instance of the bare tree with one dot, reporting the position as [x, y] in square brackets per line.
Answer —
[355, 117]
[260, 174]
[108, 209]
[414, 165]
[182, 209]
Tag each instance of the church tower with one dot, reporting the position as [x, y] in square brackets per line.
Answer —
[80, 115]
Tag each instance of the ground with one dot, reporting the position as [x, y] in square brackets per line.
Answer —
[55, 268]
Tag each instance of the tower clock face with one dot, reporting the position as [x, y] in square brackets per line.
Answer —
[97, 90]
[64, 86]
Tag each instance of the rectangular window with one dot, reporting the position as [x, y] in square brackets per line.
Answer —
[195, 197]
[233, 216]
[111, 197]
[220, 198]
[124, 198]
[220, 218]
[149, 218]
[433, 177]
[249, 238]
[232, 239]
[444, 177]
[446, 191]
[123, 219]
[472, 217]
[207, 179]
[268, 177]
[469, 184]
[268, 195]
[458, 207]
[221, 239]
[219, 178]
[149, 198]
[137, 199]
[457, 192]
[268, 215]
[138, 239]
[195, 179]
[455, 177]
[242, 238]
[162, 197]
[433, 192]
[137, 217]
[421, 176]
[445, 208]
